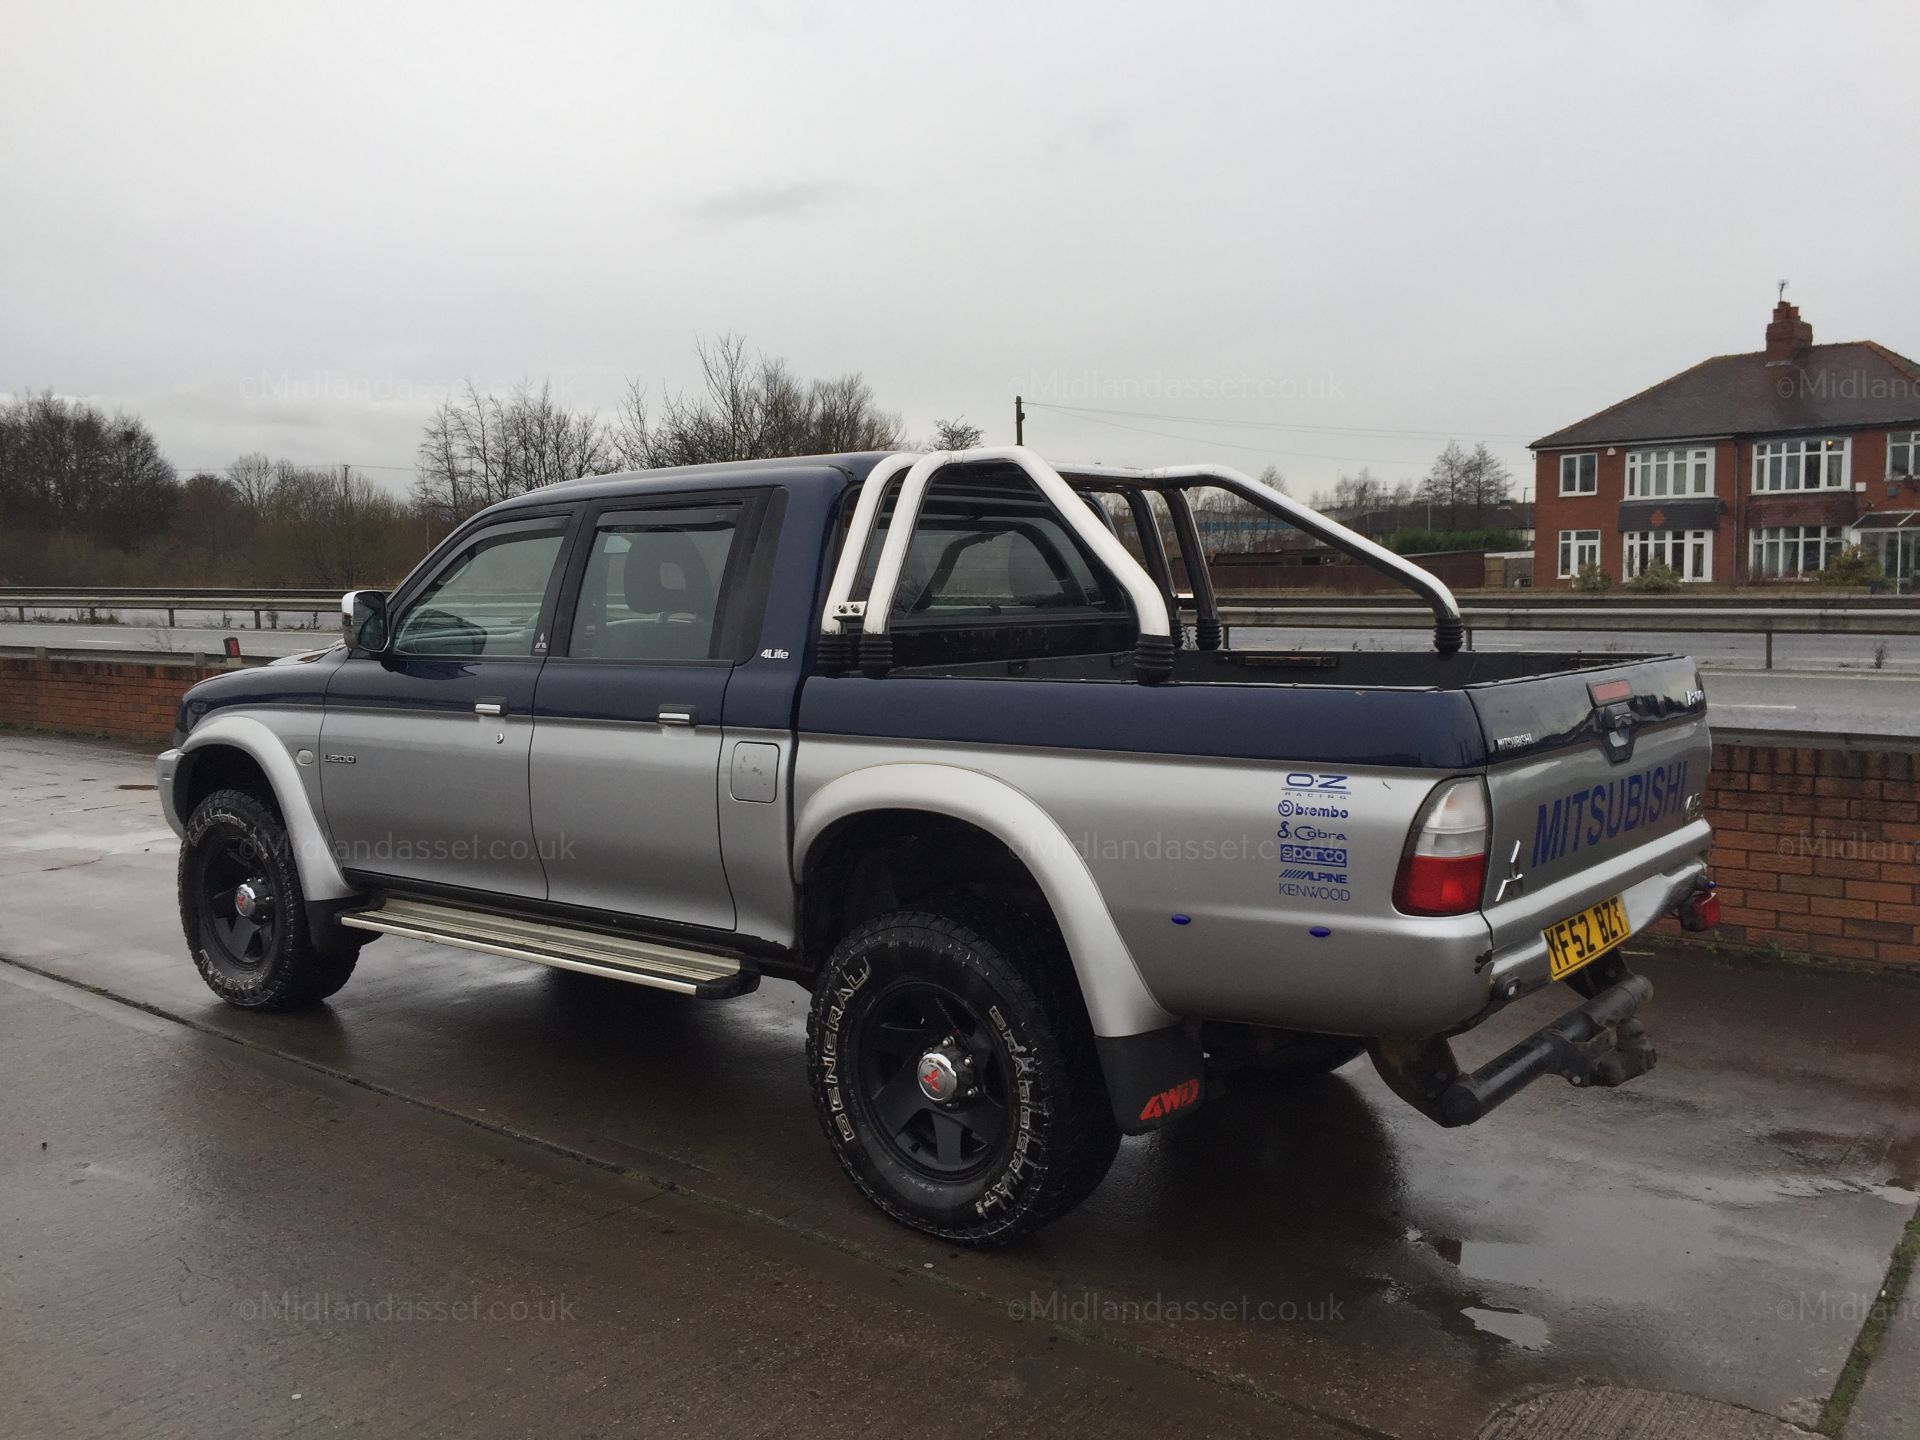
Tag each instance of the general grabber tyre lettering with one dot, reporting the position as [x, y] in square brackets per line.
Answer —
[244, 912]
[984, 1000]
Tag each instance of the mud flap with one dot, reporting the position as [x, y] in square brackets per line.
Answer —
[1153, 1078]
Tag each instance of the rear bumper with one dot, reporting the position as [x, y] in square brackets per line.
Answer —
[1599, 1043]
[1522, 968]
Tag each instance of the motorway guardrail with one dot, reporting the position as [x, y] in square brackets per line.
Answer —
[92, 599]
[1704, 614]
[1708, 614]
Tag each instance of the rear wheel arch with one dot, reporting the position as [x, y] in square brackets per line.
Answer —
[995, 834]
[876, 861]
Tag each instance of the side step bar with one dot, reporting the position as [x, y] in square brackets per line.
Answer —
[700, 973]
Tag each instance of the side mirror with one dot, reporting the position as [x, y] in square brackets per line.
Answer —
[363, 620]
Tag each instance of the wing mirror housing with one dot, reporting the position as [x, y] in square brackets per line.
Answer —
[363, 620]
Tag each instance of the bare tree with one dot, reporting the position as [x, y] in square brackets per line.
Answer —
[751, 407]
[479, 448]
[1463, 485]
[66, 465]
[954, 434]
[254, 478]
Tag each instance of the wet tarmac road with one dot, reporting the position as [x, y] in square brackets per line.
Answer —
[1315, 1260]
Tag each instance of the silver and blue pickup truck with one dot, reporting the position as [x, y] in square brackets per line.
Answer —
[957, 742]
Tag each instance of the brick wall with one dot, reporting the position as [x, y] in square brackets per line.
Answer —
[1815, 850]
[125, 700]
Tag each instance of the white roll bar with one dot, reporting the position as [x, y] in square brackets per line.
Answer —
[1154, 655]
[865, 510]
[1149, 605]
[1448, 629]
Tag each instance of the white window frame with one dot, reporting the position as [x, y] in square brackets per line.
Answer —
[1573, 544]
[1824, 540]
[1593, 480]
[1788, 477]
[1909, 441]
[1664, 547]
[1648, 467]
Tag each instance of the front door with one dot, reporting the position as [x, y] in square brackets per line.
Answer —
[423, 749]
[626, 747]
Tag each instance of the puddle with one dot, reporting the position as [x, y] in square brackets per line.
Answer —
[1529, 1332]
[136, 787]
[103, 844]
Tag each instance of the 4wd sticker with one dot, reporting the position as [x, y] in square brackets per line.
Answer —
[1170, 1101]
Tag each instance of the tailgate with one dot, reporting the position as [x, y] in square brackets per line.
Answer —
[1596, 784]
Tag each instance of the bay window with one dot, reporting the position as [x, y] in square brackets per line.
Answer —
[1800, 464]
[1688, 553]
[1655, 474]
[1778, 550]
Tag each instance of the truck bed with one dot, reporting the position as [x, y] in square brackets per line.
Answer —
[1370, 669]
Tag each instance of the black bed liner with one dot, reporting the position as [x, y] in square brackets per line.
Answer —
[1348, 669]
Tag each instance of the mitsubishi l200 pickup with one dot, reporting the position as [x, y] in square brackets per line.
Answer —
[924, 734]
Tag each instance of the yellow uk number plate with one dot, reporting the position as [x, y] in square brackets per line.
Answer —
[1580, 939]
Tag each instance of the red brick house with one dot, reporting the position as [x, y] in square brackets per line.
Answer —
[1745, 468]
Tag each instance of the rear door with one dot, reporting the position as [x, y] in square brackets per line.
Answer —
[423, 749]
[626, 753]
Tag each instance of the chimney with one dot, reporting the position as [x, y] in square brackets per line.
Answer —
[1787, 335]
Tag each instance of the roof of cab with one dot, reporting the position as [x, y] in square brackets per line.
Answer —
[830, 471]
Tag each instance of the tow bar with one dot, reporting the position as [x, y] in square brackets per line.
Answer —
[1601, 1043]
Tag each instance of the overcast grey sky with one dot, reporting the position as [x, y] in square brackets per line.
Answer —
[292, 228]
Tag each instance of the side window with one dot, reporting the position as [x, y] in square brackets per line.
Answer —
[651, 590]
[487, 599]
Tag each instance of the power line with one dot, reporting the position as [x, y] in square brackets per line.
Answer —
[1372, 430]
[1230, 445]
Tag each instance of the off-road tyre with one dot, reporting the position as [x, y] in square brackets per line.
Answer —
[269, 961]
[999, 983]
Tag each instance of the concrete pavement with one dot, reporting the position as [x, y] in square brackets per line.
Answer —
[1304, 1261]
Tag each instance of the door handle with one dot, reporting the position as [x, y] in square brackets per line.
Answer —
[494, 708]
[676, 715]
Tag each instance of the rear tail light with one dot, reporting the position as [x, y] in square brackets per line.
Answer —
[1445, 866]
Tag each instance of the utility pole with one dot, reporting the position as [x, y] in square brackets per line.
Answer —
[1019, 421]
